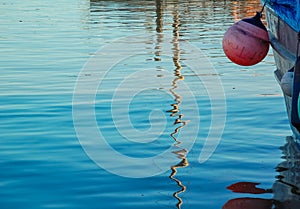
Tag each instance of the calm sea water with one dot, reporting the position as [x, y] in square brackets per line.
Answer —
[144, 101]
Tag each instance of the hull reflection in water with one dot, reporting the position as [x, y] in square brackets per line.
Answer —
[286, 193]
[286, 188]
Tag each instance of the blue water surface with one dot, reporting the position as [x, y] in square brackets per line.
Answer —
[45, 46]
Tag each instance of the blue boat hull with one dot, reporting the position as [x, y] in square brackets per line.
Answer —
[284, 41]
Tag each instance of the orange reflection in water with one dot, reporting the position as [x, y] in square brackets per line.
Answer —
[244, 9]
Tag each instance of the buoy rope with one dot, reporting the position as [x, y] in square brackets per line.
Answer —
[262, 9]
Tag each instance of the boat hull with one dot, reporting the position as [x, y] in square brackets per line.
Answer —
[283, 40]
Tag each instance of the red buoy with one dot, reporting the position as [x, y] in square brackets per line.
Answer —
[246, 42]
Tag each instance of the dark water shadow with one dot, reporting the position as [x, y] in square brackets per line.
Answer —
[285, 190]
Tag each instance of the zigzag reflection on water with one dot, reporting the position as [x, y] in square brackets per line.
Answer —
[175, 112]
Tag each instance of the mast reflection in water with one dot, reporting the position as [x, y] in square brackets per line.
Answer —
[175, 112]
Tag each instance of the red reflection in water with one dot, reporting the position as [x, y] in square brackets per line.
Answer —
[247, 187]
[248, 203]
